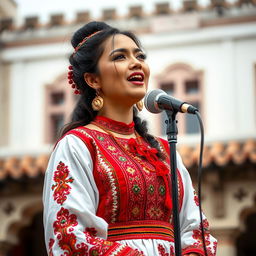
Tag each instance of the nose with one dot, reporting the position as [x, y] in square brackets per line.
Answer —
[135, 64]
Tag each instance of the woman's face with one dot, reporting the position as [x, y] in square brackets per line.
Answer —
[123, 72]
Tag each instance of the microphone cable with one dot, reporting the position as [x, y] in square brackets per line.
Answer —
[199, 177]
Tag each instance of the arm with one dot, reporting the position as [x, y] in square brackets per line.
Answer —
[191, 240]
[70, 200]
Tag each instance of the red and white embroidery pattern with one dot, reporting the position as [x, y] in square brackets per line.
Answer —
[109, 178]
[196, 199]
[51, 242]
[162, 251]
[63, 227]
[61, 187]
[67, 240]
[65, 223]
[197, 235]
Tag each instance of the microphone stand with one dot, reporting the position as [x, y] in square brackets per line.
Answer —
[172, 131]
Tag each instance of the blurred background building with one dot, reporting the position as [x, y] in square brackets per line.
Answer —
[202, 54]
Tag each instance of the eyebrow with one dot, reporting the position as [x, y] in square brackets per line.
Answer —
[125, 50]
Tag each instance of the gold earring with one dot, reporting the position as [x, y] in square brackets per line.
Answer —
[97, 103]
[139, 105]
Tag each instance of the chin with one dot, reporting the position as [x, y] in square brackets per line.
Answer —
[139, 96]
[141, 92]
[135, 94]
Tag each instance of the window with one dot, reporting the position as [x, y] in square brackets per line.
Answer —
[184, 83]
[57, 122]
[191, 125]
[191, 87]
[59, 104]
[57, 98]
[245, 242]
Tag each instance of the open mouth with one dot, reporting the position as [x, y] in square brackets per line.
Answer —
[136, 78]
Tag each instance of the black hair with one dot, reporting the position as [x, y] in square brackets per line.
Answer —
[85, 60]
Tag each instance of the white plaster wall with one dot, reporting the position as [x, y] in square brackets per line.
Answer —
[245, 73]
[227, 56]
[225, 249]
[31, 70]
[27, 111]
[233, 207]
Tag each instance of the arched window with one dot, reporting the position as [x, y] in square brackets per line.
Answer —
[30, 239]
[59, 103]
[183, 82]
[245, 242]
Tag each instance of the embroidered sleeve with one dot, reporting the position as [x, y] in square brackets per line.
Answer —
[70, 200]
[191, 238]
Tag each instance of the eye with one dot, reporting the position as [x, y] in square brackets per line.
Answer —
[142, 56]
[118, 57]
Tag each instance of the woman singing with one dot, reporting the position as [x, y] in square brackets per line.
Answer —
[107, 186]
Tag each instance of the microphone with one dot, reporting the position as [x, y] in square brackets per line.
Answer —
[158, 100]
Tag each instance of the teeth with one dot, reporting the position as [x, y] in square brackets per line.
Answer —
[136, 77]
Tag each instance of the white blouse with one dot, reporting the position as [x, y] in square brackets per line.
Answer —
[71, 198]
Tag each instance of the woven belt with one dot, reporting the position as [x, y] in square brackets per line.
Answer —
[146, 229]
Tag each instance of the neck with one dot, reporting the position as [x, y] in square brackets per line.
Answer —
[119, 114]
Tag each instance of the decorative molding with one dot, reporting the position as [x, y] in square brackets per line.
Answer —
[136, 11]
[57, 20]
[207, 14]
[82, 17]
[6, 24]
[31, 22]
[216, 182]
[8, 208]
[240, 194]
[162, 8]
[240, 3]
[190, 5]
[109, 14]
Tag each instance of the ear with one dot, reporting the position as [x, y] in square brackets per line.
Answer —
[92, 80]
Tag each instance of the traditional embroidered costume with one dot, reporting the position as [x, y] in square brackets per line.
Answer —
[105, 195]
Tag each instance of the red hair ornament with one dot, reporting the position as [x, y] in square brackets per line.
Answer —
[71, 81]
[70, 72]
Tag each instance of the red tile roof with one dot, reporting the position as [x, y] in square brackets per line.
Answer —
[16, 167]
[218, 153]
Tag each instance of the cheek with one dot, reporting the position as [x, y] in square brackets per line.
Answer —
[111, 71]
[107, 74]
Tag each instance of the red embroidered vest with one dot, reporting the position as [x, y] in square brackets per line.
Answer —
[132, 195]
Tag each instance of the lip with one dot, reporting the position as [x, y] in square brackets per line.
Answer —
[136, 82]
[135, 74]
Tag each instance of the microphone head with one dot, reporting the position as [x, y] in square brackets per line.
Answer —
[150, 100]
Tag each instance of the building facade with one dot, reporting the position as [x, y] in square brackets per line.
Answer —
[205, 55]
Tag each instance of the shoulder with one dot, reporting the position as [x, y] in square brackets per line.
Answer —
[82, 133]
[70, 152]
[69, 143]
[76, 139]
